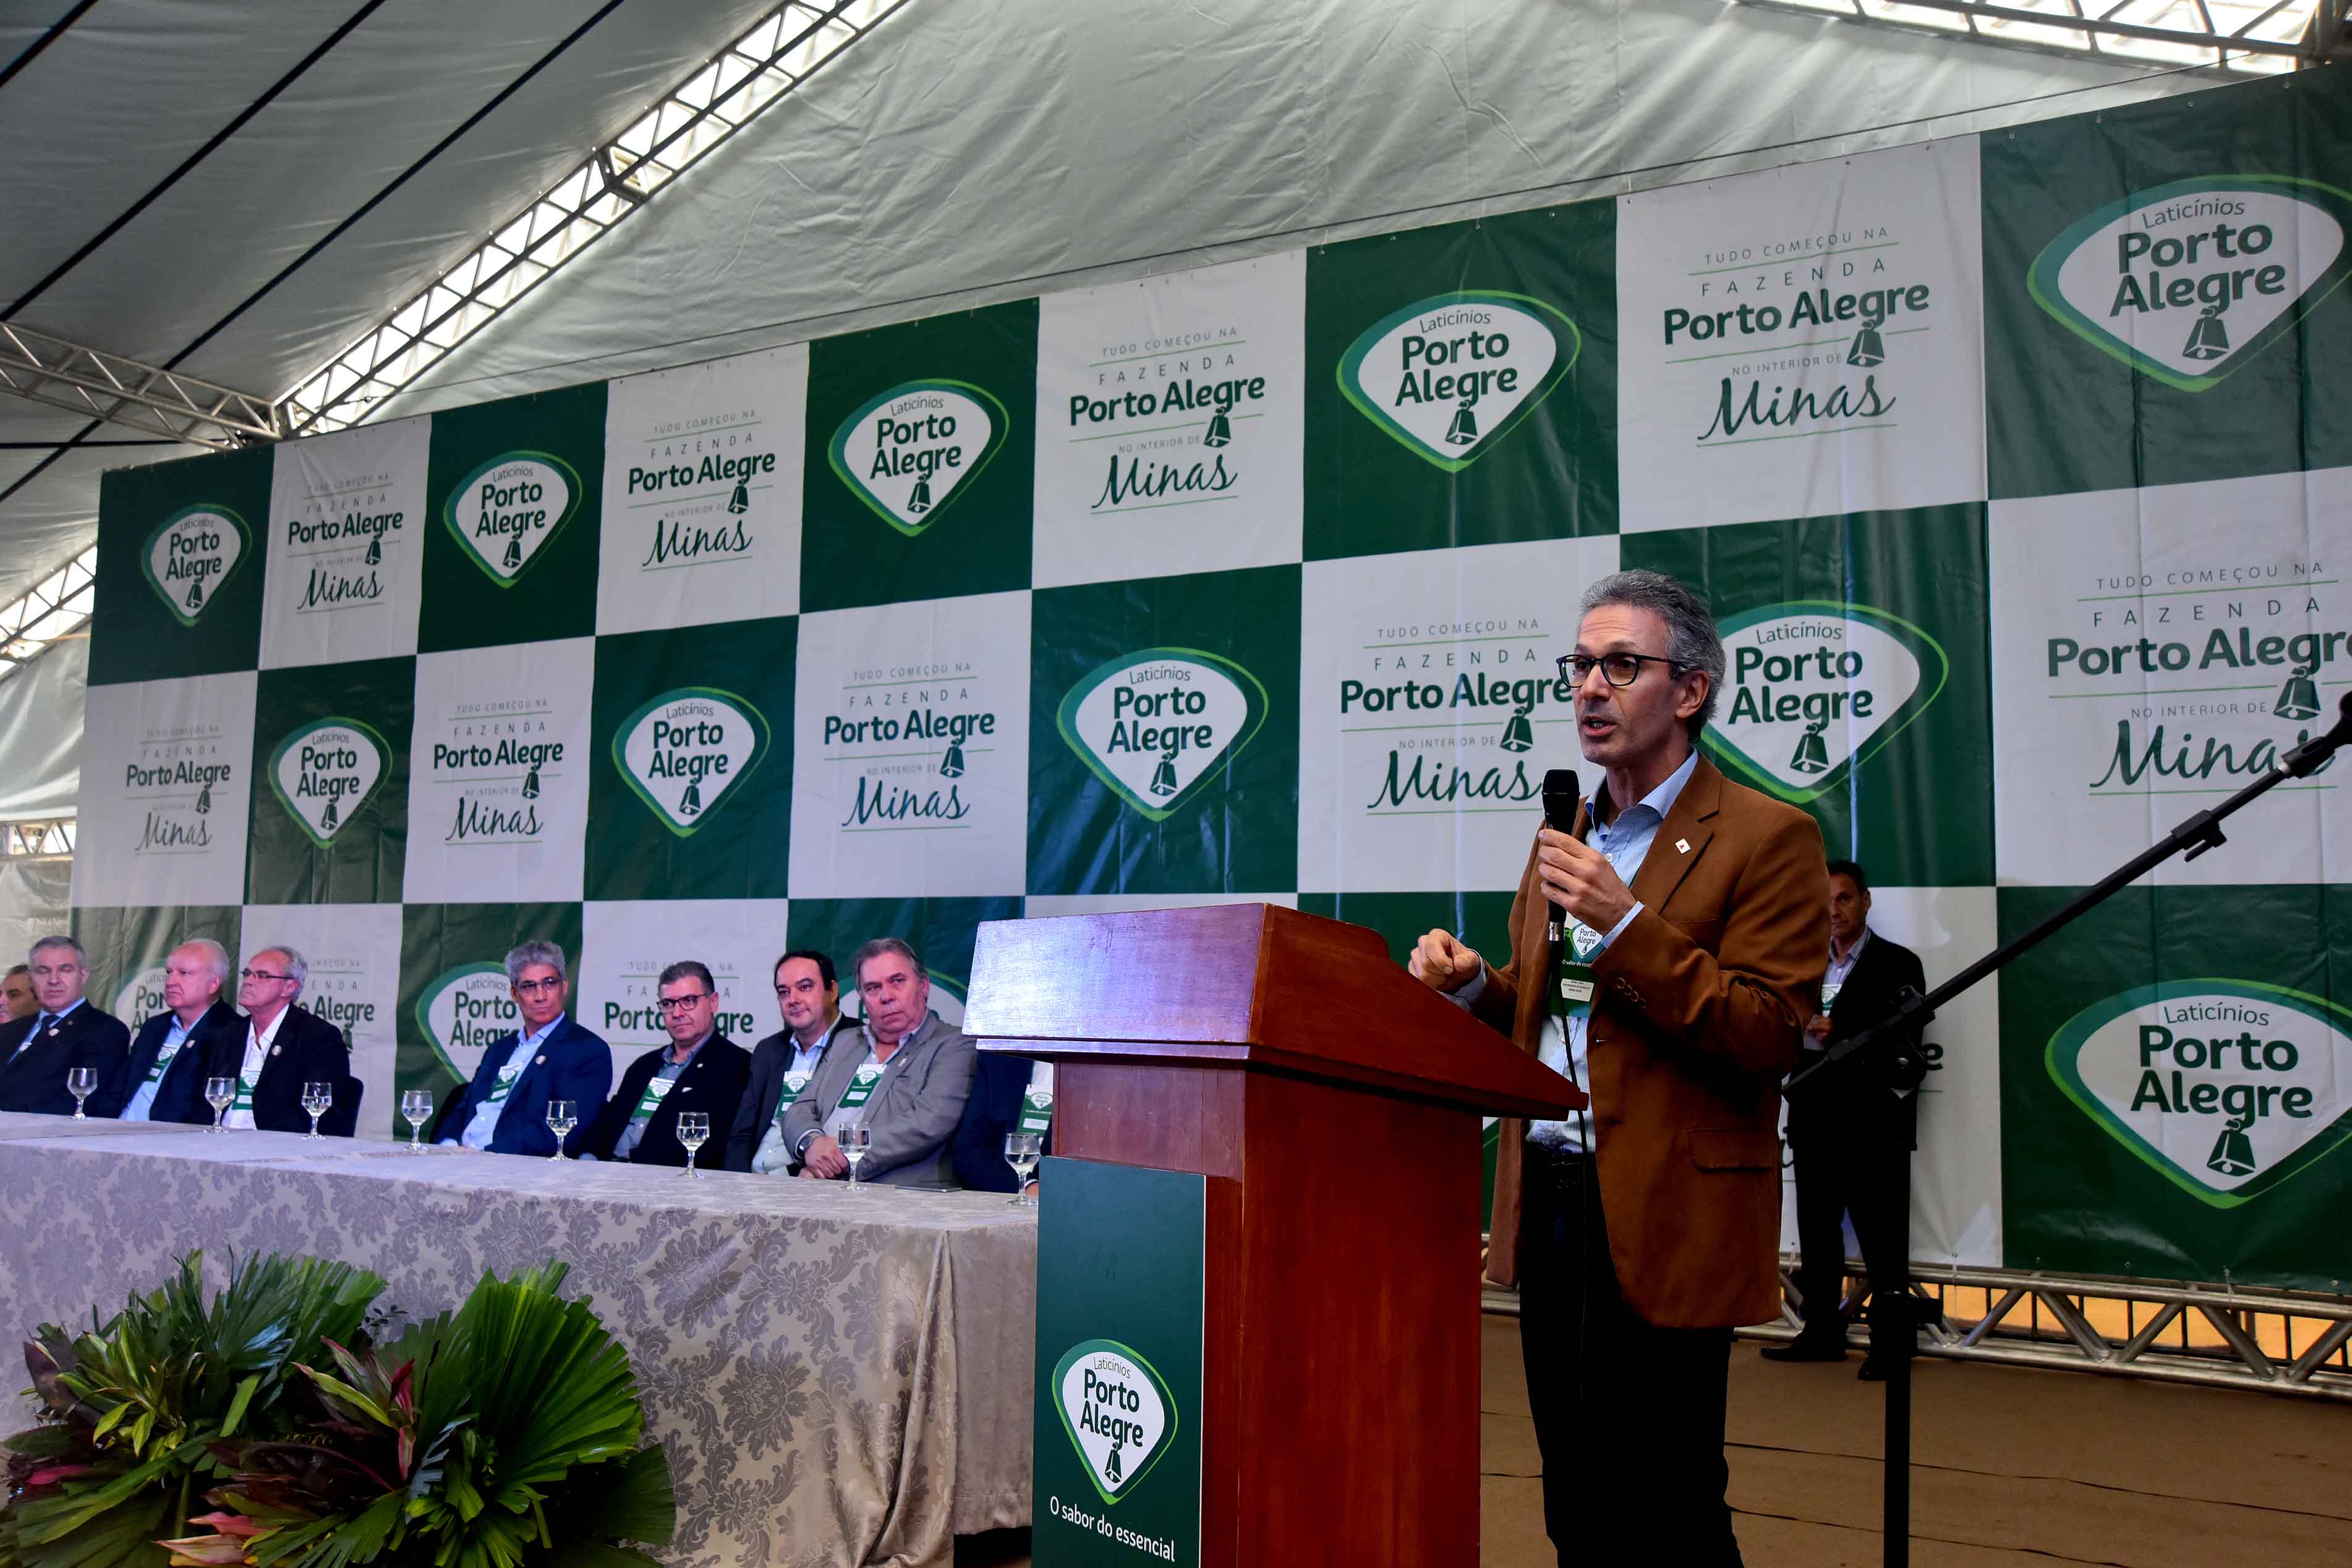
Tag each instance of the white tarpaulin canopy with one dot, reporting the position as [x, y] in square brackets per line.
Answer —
[967, 150]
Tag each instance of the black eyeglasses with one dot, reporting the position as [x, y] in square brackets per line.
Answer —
[262, 974]
[1617, 668]
[678, 1003]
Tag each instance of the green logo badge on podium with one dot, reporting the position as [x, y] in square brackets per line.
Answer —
[191, 553]
[1117, 1411]
[1449, 376]
[909, 451]
[1154, 724]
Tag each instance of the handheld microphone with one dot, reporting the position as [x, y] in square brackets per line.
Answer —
[1560, 798]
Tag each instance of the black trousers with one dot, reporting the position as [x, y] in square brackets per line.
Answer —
[1844, 1166]
[1628, 1417]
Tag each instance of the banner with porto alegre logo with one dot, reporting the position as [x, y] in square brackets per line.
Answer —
[2015, 469]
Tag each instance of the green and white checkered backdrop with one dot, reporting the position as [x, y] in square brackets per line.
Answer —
[2014, 466]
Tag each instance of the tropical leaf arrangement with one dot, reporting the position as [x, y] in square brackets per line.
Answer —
[270, 1430]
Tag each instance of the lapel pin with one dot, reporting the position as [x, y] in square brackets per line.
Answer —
[276, 1049]
[1682, 846]
[538, 1061]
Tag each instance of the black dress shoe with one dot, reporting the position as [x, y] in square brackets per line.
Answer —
[1807, 1347]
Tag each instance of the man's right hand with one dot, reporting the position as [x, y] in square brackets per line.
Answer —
[1441, 962]
[1817, 1029]
[824, 1156]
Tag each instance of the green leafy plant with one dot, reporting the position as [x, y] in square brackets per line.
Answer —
[132, 1409]
[504, 1435]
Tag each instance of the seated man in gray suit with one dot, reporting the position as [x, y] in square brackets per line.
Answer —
[904, 1075]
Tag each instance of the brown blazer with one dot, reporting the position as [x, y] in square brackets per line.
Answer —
[1697, 1013]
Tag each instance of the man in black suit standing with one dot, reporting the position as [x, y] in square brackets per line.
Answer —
[65, 1031]
[808, 994]
[281, 1048]
[163, 1078]
[699, 1069]
[1849, 1137]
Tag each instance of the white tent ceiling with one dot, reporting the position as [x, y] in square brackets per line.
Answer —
[969, 150]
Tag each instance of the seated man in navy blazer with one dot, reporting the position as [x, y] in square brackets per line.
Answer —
[65, 1031]
[699, 1069]
[547, 1058]
[281, 1048]
[162, 1079]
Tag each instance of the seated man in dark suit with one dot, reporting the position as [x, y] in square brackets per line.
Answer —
[281, 1048]
[162, 1079]
[1847, 1136]
[809, 996]
[1000, 1087]
[16, 990]
[549, 1056]
[65, 1031]
[905, 1078]
[699, 1069]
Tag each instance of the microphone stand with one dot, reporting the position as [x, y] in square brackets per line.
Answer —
[1886, 1055]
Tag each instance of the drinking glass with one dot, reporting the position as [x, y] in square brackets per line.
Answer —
[416, 1105]
[81, 1083]
[218, 1093]
[563, 1116]
[317, 1099]
[693, 1131]
[855, 1142]
[1021, 1151]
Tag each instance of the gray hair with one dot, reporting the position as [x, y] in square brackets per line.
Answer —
[298, 969]
[879, 947]
[215, 956]
[523, 955]
[1692, 641]
[80, 957]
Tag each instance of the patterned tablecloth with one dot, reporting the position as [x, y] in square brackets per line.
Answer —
[841, 1378]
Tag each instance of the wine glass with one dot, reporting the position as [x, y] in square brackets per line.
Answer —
[1021, 1151]
[417, 1106]
[856, 1141]
[317, 1099]
[81, 1083]
[563, 1116]
[693, 1131]
[218, 1093]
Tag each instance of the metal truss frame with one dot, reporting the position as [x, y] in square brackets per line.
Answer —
[2219, 1336]
[2280, 36]
[45, 839]
[57, 606]
[109, 386]
[755, 71]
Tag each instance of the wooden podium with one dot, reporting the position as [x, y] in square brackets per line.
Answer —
[1334, 1102]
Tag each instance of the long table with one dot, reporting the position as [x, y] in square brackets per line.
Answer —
[840, 1378]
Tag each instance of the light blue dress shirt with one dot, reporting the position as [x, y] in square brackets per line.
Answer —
[142, 1100]
[1624, 841]
[483, 1125]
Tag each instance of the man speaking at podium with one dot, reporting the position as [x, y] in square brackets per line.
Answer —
[1649, 1222]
